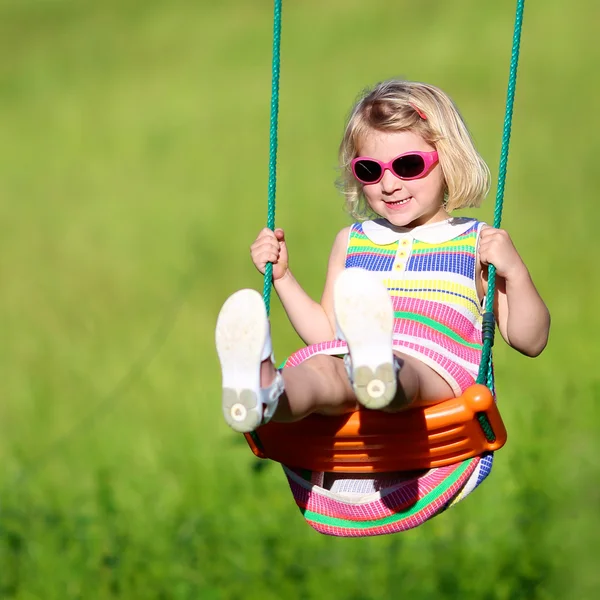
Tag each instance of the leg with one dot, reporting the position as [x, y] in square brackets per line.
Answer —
[320, 384]
[253, 390]
[418, 385]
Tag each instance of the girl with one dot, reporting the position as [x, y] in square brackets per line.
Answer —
[404, 291]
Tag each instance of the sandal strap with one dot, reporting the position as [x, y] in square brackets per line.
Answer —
[269, 397]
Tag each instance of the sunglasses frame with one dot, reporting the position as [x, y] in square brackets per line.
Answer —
[429, 160]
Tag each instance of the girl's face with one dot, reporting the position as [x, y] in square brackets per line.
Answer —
[403, 203]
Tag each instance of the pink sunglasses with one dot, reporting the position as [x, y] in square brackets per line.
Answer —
[410, 165]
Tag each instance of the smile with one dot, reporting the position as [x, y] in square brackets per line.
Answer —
[398, 202]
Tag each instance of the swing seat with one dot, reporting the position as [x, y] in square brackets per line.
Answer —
[368, 441]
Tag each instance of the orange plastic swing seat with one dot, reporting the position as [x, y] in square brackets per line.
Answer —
[369, 441]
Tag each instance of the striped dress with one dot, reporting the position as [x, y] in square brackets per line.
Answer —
[430, 273]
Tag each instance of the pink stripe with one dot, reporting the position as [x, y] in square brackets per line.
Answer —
[404, 496]
[322, 347]
[390, 504]
[419, 331]
[442, 313]
[464, 378]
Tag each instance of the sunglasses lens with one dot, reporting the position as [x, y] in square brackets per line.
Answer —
[367, 171]
[410, 165]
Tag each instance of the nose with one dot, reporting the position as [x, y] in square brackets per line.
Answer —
[389, 182]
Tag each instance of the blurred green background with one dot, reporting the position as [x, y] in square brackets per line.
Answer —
[133, 171]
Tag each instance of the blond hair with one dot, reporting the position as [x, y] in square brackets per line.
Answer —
[397, 105]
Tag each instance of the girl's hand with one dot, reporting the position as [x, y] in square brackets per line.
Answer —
[270, 246]
[496, 248]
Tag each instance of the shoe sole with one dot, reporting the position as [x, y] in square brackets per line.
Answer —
[365, 316]
[241, 332]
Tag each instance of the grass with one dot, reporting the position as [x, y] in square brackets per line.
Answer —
[134, 145]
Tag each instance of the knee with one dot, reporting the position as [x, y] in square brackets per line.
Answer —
[331, 373]
[322, 365]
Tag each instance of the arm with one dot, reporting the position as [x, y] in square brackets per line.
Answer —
[313, 321]
[522, 316]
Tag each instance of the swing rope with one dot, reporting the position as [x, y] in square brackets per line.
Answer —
[273, 144]
[486, 374]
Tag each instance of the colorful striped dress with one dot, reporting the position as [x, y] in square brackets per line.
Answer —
[430, 273]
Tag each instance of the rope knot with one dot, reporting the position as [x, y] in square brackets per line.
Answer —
[488, 327]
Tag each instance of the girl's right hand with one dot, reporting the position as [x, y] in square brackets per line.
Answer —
[270, 246]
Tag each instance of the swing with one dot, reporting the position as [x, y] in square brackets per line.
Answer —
[454, 441]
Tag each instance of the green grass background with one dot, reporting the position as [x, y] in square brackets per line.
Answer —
[133, 171]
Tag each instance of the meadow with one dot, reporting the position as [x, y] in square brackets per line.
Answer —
[133, 172]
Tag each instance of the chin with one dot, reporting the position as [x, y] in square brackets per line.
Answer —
[401, 220]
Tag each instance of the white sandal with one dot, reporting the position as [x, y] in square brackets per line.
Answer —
[243, 341]
[365, 320]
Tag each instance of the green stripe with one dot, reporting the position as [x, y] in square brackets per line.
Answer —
[371, 250]
[398, 516]
[441, 328]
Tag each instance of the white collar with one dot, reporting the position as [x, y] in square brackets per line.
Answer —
[382, 232]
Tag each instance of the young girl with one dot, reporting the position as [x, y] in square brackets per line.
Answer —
[403, 297]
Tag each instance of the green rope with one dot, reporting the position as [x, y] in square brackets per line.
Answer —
[273, 144]
[486, 426]
[486, 374]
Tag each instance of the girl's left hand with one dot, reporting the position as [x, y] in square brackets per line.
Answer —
[496, 248]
